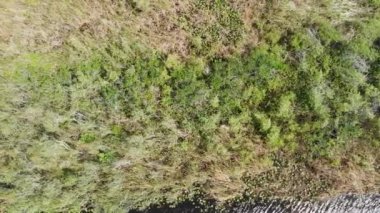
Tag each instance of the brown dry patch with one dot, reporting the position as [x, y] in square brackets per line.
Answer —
[357, 171]
[165, 25]
[160, 27]
[354, 170]
[43, 25]
[169, 26]
[225, 186]
[250, 11]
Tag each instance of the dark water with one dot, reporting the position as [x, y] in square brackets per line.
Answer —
[343, 204]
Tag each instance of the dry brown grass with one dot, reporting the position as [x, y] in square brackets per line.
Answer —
[161, 29]
[43, 25]
[356, 172]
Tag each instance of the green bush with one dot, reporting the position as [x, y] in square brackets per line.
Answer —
[106, 157]
[88, 137]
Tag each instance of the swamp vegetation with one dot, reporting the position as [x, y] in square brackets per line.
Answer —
[115, 105]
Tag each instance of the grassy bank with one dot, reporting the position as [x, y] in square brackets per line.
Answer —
[140, 101]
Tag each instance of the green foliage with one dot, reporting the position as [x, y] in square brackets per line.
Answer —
[106, 157]
[285, 106]
[117, 130]
[173, 62]
[327, 33]
[374, 3]
[88, 137]
[221, 27]
[263, 121]
[274, 138]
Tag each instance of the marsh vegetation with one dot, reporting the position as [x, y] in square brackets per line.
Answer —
[136, 102]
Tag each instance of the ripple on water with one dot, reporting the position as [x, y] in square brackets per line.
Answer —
[348, 203]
